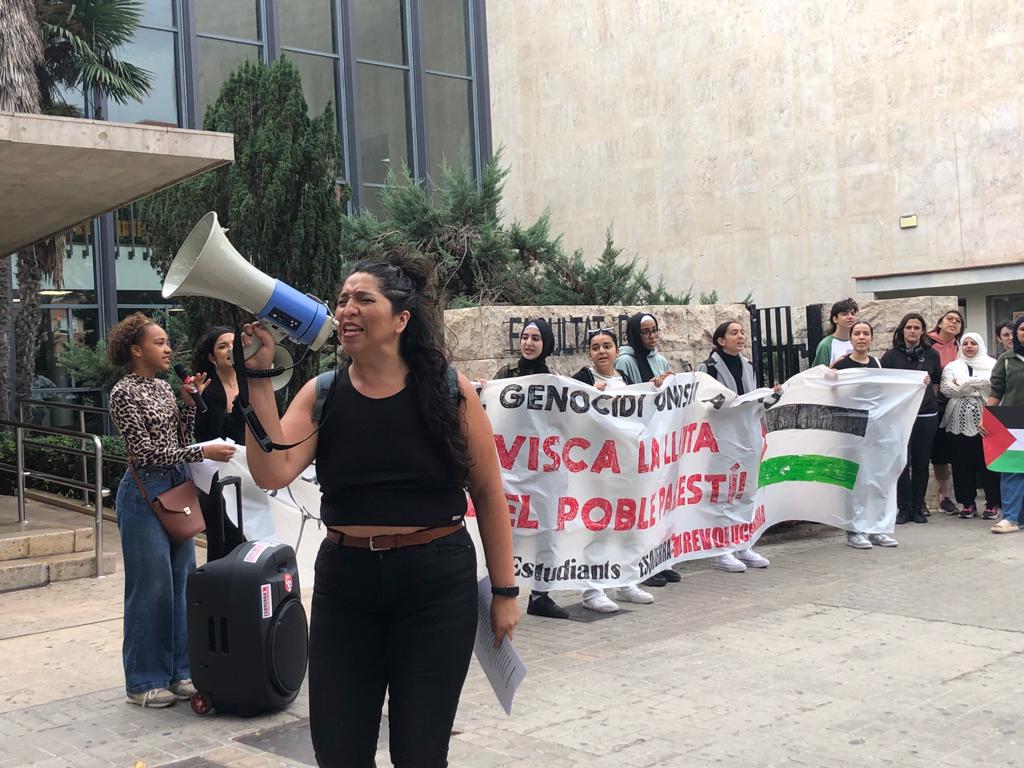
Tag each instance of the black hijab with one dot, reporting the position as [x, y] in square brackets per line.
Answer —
[1018, 347]
[537, 365]
[636, 340]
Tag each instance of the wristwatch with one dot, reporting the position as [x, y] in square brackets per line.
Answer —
[505, 591]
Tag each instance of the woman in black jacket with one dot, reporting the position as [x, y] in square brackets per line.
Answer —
[212, 356]
[911, 351]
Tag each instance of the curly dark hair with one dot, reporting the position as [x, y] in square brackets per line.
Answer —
[839, 308]
[204, 348]
[406, 280]
[126, 334]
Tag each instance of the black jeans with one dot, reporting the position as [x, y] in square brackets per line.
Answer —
[913, 482]
[402, 621]
[968, 465]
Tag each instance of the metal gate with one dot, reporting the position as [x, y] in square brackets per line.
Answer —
[773, 350]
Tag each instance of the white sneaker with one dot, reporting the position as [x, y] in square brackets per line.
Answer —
[752, 559]
[633, 594]
[857, 540]
[728, 562]
[597, 600]
[1005, 526]
[155, 698]
[883, 540]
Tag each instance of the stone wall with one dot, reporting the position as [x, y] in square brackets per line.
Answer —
[744, 145]
[885, 314]
[483, 339]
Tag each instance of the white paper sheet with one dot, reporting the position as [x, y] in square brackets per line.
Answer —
[502, 665]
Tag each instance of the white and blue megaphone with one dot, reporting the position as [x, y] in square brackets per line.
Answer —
[208, 265]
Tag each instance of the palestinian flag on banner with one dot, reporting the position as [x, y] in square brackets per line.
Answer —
[1004, 444]
[813, 466]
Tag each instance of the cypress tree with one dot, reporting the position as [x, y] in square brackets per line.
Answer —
[279, 199]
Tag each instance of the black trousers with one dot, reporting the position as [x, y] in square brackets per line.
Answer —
[401, 621]
[968, 465]
[913, 483]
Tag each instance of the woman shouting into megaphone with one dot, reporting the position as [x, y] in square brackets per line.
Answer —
[395, 598]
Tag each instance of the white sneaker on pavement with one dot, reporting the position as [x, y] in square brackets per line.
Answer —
[633, 594]
[155, 698]
[883, 540]
[857, 540]
[1005, 526]
[728, 562]
[752, 559]
[597, 600]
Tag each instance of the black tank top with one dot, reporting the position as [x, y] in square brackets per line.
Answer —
[377, 464]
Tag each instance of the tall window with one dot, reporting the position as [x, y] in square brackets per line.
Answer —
[155, 48]
[382, 77]
[228, 32]
[448, 85]
[308, 37]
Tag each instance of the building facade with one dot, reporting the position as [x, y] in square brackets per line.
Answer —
[406, 80]
[773, 148]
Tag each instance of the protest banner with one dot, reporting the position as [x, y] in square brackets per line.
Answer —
[605, 489]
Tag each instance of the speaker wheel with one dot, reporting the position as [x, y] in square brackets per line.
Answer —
[201, 704]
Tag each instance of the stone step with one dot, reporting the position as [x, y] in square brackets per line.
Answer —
[28, 572]
[36, 540]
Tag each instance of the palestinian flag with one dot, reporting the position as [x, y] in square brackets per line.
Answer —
[812, 466]
[1004, 444]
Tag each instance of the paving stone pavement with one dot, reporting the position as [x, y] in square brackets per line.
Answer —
[831, 657]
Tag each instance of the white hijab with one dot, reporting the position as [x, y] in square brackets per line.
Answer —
[981, 364]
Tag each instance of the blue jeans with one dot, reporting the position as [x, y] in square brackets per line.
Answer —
[1012, 488]
[156, 570]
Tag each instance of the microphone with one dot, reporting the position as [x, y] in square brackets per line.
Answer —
[187, 380]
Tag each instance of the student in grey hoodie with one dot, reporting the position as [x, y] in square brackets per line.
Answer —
[638, 359]
[639, 362]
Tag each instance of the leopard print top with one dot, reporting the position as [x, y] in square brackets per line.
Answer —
[147, 416]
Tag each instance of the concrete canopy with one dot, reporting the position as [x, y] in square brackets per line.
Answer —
[56, 172]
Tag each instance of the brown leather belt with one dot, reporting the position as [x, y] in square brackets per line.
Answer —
[386, 541]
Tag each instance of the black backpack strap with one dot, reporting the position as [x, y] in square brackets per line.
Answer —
[453, 382]
[324, 383]
[711, 367]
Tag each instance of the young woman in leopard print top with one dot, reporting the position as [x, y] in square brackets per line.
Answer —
[157, 433]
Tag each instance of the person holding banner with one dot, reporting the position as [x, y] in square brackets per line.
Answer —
[536, 342]
[861, 335]
[395, 602]
[1008, 389]
[965, 381]
[639, 358]
[640, 362]
[727, 364]
[911, 351]
[602, 347]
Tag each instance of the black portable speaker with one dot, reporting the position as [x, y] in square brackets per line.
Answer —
[248, 636]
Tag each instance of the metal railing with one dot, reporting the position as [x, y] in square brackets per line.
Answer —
[98, 492]
[82, 410]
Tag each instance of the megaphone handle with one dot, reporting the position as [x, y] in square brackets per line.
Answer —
[255, 343]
